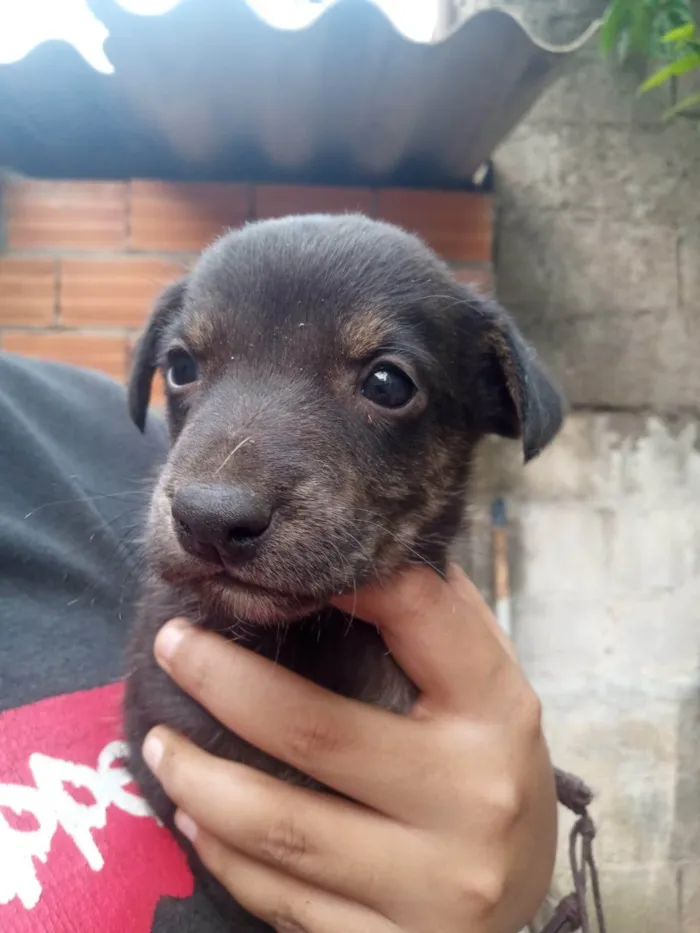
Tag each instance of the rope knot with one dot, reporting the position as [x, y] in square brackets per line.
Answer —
[572, 912]
[587, 828]
[567, 916]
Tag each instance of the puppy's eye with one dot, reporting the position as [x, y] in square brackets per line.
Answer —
[182, 368]
[388, 386]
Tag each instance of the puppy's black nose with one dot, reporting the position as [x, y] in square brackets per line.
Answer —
[217, 521]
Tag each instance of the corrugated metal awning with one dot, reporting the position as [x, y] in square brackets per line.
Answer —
[211, 91]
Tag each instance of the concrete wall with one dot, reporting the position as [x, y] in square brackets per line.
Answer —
[598, 255]
[606, 576]
[599, 239]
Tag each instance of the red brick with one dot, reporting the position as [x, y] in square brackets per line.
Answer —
[458, 225]
[479, 277]
[86, 215]
[174, 217]
[113, 292]
[92, 351]
[280, 200]
[27, 292]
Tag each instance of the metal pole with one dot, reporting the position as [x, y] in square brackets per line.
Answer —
[501, 581]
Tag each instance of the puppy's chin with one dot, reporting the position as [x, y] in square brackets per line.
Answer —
[264, 592]
[228, 599]
[232, 600]
[225, 597]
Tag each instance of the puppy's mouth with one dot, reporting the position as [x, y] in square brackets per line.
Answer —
[258, 603]
[235, 581]
[252, 600]
[249, 588]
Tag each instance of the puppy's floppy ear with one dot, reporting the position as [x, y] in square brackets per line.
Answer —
[145, 359]
[517, 396]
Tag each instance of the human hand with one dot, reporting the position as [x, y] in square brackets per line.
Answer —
[454, 824]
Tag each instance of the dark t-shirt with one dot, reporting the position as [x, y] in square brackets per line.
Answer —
[79, 852]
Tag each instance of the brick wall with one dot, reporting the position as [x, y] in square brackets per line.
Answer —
[81, 262]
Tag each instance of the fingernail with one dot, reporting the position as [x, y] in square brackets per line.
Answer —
[152, 751]
[168, 639]
[186, 825]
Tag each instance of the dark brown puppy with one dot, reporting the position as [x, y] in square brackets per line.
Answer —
[327, 382]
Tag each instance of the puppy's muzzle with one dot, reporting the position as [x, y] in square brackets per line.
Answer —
[221, 523]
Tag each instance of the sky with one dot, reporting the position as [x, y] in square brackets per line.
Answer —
[25, 25]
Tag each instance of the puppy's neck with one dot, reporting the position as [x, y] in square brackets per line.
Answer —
[334, 649]
[331, 648]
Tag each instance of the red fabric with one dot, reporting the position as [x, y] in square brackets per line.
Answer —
[79, 852]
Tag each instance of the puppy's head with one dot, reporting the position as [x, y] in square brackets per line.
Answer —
[327, 380]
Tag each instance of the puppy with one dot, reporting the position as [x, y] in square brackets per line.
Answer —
[327, 382]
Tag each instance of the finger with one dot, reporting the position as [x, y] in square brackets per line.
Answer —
[442, 634]
[327, 842]
[285, 903]
[361, 751]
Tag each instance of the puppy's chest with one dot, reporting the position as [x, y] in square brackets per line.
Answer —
[353, 661]
[348, 659]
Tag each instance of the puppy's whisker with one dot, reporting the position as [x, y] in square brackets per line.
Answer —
[345, 563]
[130, 536]
[83, 499]
[246, 440]
[109, 526]
[420, 557]
[280, 635]
[351, 616]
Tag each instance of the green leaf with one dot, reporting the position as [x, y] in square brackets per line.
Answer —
[692, 100]
[623, 46]
[680, 67]
[680, 34]
[614, 23]
[641, 31]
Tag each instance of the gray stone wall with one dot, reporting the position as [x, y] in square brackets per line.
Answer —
[598, 256]
[598, 246]
[605, 572]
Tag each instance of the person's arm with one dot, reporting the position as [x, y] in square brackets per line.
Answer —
[454, 824]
